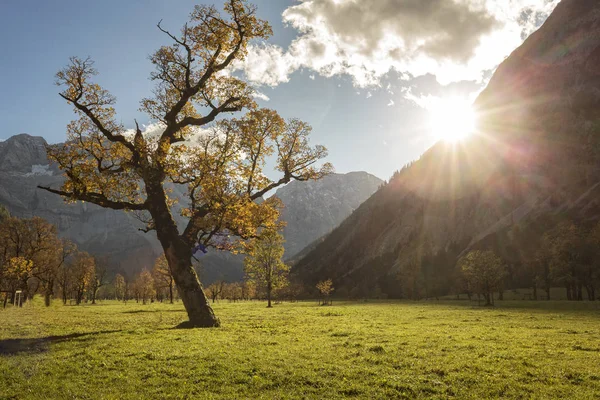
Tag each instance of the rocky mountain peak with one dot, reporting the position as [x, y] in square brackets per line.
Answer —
[20, 153]
[312, 209]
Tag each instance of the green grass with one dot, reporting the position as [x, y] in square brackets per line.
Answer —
[363, 350]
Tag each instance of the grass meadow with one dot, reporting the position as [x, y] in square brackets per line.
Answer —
[375, 349]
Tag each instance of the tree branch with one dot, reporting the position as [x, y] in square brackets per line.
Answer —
[99, 199]
[115, 138]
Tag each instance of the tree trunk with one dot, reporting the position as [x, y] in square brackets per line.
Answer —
[94, 292]
[179, 257]
[269, 289]
[171, 292]
[535, 297]
[199, 311]
[488, 301]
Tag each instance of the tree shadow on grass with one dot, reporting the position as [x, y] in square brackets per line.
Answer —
[38, 345]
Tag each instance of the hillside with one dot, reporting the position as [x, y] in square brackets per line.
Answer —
[314, 208]
[534, 159]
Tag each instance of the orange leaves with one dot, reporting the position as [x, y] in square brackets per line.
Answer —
[325, 287]
[211, 33]
[83, 269]
[296, 157]
[18, 268]
[264, 264]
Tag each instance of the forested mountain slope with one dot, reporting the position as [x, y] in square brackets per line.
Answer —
[533, 162]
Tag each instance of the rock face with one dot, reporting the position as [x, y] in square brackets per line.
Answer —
[24, 166]
[537, 153]
[312, 209]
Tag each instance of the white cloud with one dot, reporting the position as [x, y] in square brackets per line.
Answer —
[452, 39]
[391, 103]
[154, 130]
[369, 95]
[312, 76]
[267, 65]
[260, 96]
[429, 102]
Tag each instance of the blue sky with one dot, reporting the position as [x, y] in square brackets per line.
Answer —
[374, 121]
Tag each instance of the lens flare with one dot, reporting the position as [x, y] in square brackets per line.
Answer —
[451, 119]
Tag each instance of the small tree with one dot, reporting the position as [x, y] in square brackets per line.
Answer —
[120, 287]
[163, 277]
[82, 273]
[484, 272]
[568, 257]
[264, 265]
[325, 288]
[215, 290]
[145, 286]
[98, 278]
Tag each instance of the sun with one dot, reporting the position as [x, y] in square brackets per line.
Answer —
[451, 119]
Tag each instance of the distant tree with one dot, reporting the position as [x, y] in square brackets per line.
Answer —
[232, 291]
[292, 291]
[592, 273]
[215, 290]
[82, 270]
[64, 279]
[264, 263]
[45, 251]
[484, 272]
[539, 263]
[98, 277]
[248, 290]
[4, 214]
[410, 277]
[222, 169]
[163, 277]
[567, 251]
[325, 288]
[33, 239]
[145, 286]
[119, 284]
[18, 271]
[50, 275]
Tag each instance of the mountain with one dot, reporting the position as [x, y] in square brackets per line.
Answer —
[534, 160]
[311, 208]
[24, 166]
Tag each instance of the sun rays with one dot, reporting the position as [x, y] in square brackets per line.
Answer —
[452, 119]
